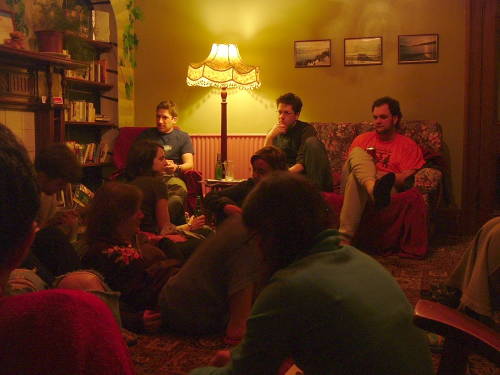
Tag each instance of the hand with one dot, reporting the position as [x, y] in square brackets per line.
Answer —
[220, 359]
[278, 129]
[171, 167]
[380, 174]
[196, 222]
[151, 320]
[231, 209]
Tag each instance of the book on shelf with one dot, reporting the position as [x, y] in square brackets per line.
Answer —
[100, 25]
[90, 153]
[96, 71]
[80, 111]
[101, 117]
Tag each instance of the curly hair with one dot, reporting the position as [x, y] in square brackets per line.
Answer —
[291, 99]
[393, 105]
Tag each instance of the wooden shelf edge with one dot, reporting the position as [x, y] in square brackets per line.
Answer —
[88, 83]
[91, 124]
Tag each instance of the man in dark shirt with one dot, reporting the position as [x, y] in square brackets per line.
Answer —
[305, 153]
[179, 153]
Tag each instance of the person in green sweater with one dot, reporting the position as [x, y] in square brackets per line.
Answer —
[331, 309]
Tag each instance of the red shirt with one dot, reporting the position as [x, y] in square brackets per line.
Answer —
[397, 155]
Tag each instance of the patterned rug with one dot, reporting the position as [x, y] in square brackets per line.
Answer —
[167, 354]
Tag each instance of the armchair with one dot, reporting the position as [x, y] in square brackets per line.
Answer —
[463, 335]
[124, 141]
[398, 227]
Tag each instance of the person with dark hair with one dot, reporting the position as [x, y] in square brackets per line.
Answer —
[52, 253]
[379, 162]
[135, 268]
[222, 203]
[211, 292]
[305, 153]
[179, 153]
[145, 165]
[53, 331]
[332, 309]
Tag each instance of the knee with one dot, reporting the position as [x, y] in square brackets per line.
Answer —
[357, 151]
[81, 280]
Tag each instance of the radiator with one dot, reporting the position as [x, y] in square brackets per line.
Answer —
[240, 147]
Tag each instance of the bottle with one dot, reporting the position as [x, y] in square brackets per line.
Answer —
[198, 210]
[219, 172]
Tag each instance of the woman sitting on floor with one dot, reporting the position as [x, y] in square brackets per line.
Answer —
[138, 270]
[145, 165]
[212, 291]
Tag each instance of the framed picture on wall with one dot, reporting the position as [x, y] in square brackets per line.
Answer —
[413, 49]
[312, 53]
[363, 51]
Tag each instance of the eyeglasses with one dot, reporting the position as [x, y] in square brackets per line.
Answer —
[286, 113]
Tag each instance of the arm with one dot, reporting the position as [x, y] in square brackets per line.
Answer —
[269, 338]
[187, 162]
[215, 201]
[401, 177]
[161, 214]
[273, 133]
[240, 304]
[296, 168]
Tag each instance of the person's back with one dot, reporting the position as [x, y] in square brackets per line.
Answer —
[341, 313]
[331, 309]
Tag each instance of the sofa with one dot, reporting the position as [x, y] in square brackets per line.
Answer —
[403, 227]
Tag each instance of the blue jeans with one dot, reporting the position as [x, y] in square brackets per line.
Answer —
[23, 280]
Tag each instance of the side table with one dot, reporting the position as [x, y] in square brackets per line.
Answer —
[210, 184]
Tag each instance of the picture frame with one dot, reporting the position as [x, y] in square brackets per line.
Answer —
[418, 48]
[313, 53]
[363, 51]
[6, 25]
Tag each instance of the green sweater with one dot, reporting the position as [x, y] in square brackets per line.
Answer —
[334, 311]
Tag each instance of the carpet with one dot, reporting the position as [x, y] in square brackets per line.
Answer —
[169, 354]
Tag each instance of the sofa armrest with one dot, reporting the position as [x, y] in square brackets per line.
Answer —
[428, 183]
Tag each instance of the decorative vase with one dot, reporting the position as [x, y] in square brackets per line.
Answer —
[50, 41]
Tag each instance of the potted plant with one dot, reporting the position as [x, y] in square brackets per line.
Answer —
[53, 20]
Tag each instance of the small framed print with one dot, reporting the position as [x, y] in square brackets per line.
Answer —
[6, 25]
[414, 49]
[312, 53]
[363, 51]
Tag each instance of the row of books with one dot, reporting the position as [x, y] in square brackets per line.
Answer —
[90, 153]
[80, 110]
[95, 72]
